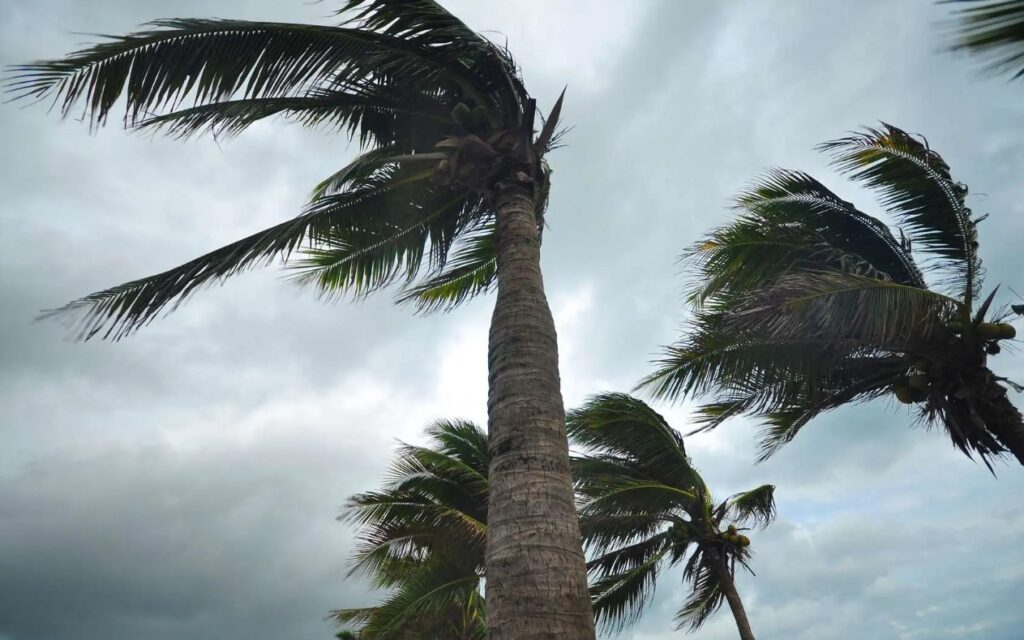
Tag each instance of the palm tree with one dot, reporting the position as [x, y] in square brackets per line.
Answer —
[992, 30]
[644, 508]
[804, 304]
[446, 202]
[423, 538]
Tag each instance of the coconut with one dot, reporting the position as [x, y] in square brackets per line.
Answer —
[463, 115]
[988, 330]
[744, 541]
[993, 348]
[732, 528]
[918, 381]
[1006, 331]
[903, 393]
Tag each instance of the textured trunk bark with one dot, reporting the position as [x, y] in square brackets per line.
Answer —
[536, 573]
[1002, 418]
[732, 597]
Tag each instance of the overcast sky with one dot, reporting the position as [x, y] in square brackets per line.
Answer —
[184, 482]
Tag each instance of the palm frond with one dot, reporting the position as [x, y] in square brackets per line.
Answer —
[214, 60]
[755, 507]
[432, 26]
[606, 531]
[367, 117]
[430, 600]
[471, 270]
[837, 306]
[814, 226]
[706, 596]
[618, 424]
[620, 598]
[992, 30]
[114, 313]
[915, 185]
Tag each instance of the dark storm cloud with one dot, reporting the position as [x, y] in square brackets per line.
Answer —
[183, 483]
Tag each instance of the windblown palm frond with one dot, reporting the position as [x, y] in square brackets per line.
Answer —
[439, 110]
[423, 536]
[914, 184]
[992, 30]
[643, 507]
[804, 304]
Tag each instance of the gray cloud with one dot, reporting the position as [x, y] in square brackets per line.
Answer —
[183, 483]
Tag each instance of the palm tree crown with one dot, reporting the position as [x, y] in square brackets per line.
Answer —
[804, 303]
[422, 538]
[440, 112]
[644, 507]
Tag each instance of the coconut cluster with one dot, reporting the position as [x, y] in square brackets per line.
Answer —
[732, 536]
[915, 387]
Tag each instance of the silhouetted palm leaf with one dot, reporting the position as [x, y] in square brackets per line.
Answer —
[993, 30]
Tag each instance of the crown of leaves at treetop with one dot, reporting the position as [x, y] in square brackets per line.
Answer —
[441, 114]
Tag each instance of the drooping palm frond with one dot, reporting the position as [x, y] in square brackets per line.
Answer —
[992, 30]
[915, 186]
[621, 594]
[706, 596]
[470, 270]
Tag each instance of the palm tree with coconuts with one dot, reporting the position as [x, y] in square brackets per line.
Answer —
[445, 202]
[804, 303]
[644, 508]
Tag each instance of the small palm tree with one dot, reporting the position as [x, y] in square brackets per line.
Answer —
[643, 507]
[804, 304]
[993, 30]
[446, 202]
[423, 538]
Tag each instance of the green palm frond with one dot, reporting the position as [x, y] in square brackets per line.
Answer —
[423, 536]
[430, 601]
[755, 507]
[619, 424]
[706, 596]
[118, 311]
[619, 598]
[471, 270]
[992, 30]
[360, 116]
[605, 532]
[915, 185]
[417, 217]
[789, 221]
[835, 306]
[213, 60]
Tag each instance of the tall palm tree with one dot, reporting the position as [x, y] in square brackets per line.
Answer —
[992, 30]
[644, 508]
[423, 538]
[446, 202]
[803, 304]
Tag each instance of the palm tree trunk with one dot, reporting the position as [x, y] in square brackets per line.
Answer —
[1002, 418]
[536, 574]
[732, 596]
